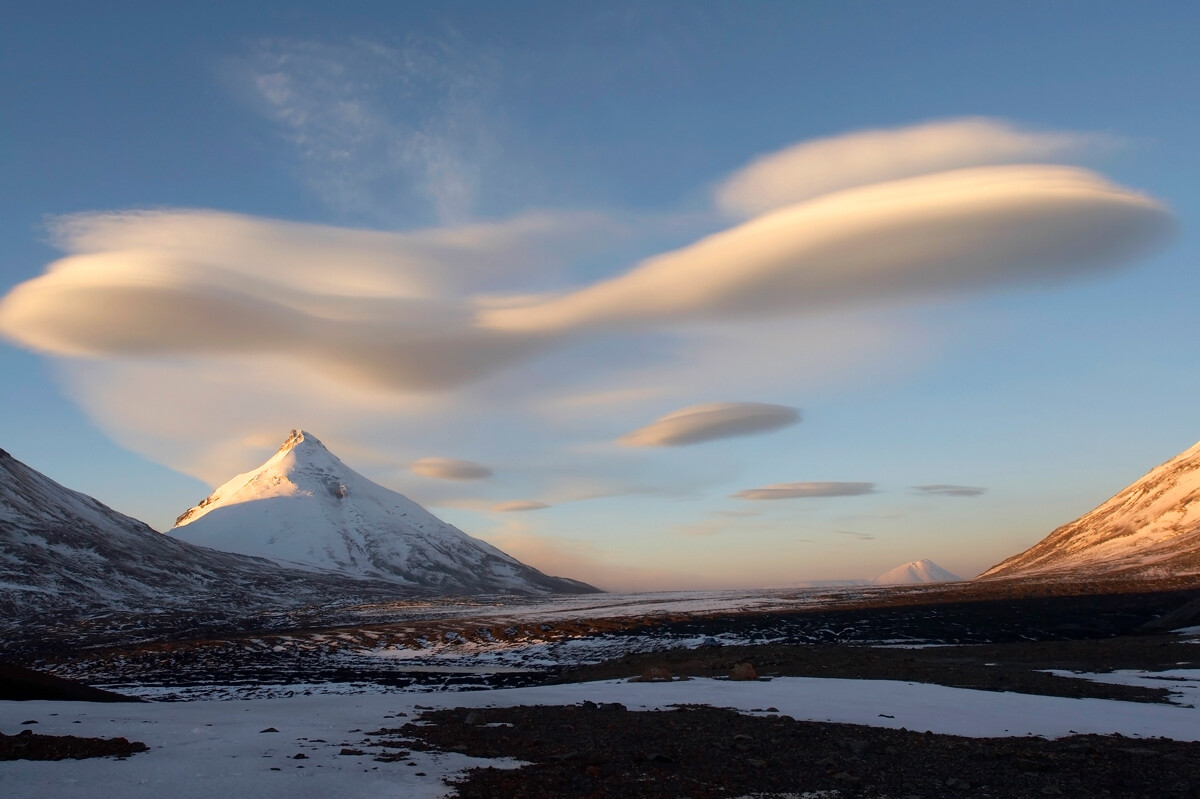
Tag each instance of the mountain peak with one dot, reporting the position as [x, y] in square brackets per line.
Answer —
[305, 507]
[297, 438]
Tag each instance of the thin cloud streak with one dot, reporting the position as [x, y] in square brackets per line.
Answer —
[700, 423]
[859, 536]
[805, 491]
[519, 505]
[945, 490]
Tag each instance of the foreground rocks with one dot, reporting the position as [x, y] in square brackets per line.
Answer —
[606, 752]
[28, 745]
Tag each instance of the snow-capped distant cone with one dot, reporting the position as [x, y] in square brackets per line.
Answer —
[304, 507]
[1150, 530]
[918, 571]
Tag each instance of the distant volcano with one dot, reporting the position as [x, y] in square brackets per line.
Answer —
[1149, 530]
[919, 571]
[305, 508]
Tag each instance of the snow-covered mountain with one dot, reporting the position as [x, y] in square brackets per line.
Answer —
[305, 508]
[918, 571]
[64, 554]
[1151, 529]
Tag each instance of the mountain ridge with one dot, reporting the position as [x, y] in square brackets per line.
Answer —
[1149, 529]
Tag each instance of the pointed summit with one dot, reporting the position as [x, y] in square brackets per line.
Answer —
[306, 508]
[1151, 529]
[305, 442]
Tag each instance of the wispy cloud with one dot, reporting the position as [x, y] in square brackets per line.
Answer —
[944, 490]
[806, 490]
[699, 423]
[450, 469]
[377, 126]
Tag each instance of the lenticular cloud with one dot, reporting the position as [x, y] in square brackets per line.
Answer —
[699, 423]
[806, 490]
[418, 312]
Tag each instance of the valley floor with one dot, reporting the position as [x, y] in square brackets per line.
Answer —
[898, 694]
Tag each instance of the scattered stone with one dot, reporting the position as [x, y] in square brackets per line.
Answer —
[346, 750]
[31, 721]
[743, 672]
[268, 729]
[299, 756]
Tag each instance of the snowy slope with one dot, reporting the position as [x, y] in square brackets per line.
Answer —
[306, 508]
[65, 554]
[1151, 529]
[918, 571]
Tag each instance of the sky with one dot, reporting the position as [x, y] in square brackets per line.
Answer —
[654, 295]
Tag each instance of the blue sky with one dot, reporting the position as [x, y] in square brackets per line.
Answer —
[484, 233]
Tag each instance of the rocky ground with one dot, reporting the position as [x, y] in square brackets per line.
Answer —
[606, 752]
[600, 752]
[28, 745]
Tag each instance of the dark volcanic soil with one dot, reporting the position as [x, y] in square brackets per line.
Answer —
[606, 752]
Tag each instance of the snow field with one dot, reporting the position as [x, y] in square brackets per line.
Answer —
[214, 748]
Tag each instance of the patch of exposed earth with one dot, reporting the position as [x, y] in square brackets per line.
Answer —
[606, 752]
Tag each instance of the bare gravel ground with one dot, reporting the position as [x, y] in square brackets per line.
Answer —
[605, 752]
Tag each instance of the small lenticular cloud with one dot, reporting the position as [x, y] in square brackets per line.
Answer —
[698, 423]
[450, 469]
[803, 490]
[519, 505]
[944, 490]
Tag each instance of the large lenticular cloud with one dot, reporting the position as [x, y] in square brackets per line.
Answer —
[932, 235]
[417, 312]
